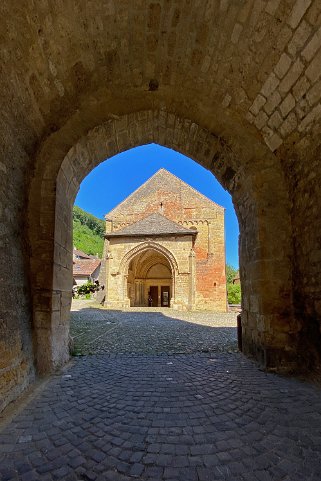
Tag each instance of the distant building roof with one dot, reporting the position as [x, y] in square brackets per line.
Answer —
[80, 254]
[154, 224]
[85, 267]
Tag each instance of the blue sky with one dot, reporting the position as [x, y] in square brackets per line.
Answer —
[113, 180]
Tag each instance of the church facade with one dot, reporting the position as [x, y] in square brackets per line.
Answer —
[165, 247]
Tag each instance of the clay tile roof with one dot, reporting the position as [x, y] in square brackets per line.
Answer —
[81, 254]
[85, 267]
[154, 224]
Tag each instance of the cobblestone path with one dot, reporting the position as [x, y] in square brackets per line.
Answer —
[179, 417]
[150, 331]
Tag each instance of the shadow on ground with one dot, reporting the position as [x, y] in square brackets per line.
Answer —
[96, 331]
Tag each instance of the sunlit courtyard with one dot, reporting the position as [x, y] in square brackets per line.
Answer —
[150, 330]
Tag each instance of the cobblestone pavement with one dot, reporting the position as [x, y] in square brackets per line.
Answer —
[158, 417]
[150, 331]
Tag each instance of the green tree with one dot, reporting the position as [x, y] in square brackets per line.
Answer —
[231, 272]
[234, 293]
[233, 290]
[93, 223]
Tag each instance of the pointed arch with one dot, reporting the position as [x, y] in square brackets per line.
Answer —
[148, 245]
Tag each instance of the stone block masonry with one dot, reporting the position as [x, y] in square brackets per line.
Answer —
[208, 79]
[194, 239]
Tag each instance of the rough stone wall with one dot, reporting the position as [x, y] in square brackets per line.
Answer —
[304, 181]
[16, 346]
[171, 197]
[288, 102]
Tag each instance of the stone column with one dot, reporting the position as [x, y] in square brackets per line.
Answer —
[192, 286]
[125, 300]
[172, 299]
[136, 302]
[101, 294]
[108, 262]
[141, 293]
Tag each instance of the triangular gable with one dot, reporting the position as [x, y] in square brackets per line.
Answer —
[161, 180]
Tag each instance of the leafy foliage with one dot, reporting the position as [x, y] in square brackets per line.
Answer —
[96, 225]
[85, 289]
[233, 290]
[231, 272]
[88, 232]
[234, 293]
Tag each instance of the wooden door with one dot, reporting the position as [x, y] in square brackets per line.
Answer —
[153, 290]
[165, 296]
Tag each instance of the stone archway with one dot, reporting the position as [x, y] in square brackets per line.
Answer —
[260, 199]
[234, 87]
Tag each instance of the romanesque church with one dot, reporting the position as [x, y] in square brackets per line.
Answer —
[165, 247]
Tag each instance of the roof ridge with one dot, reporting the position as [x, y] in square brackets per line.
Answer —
[158, 214]
[169, 227]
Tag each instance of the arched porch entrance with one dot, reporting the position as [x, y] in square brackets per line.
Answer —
[150, 280]
[146, 268]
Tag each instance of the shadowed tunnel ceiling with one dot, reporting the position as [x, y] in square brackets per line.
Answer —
[234, 84]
